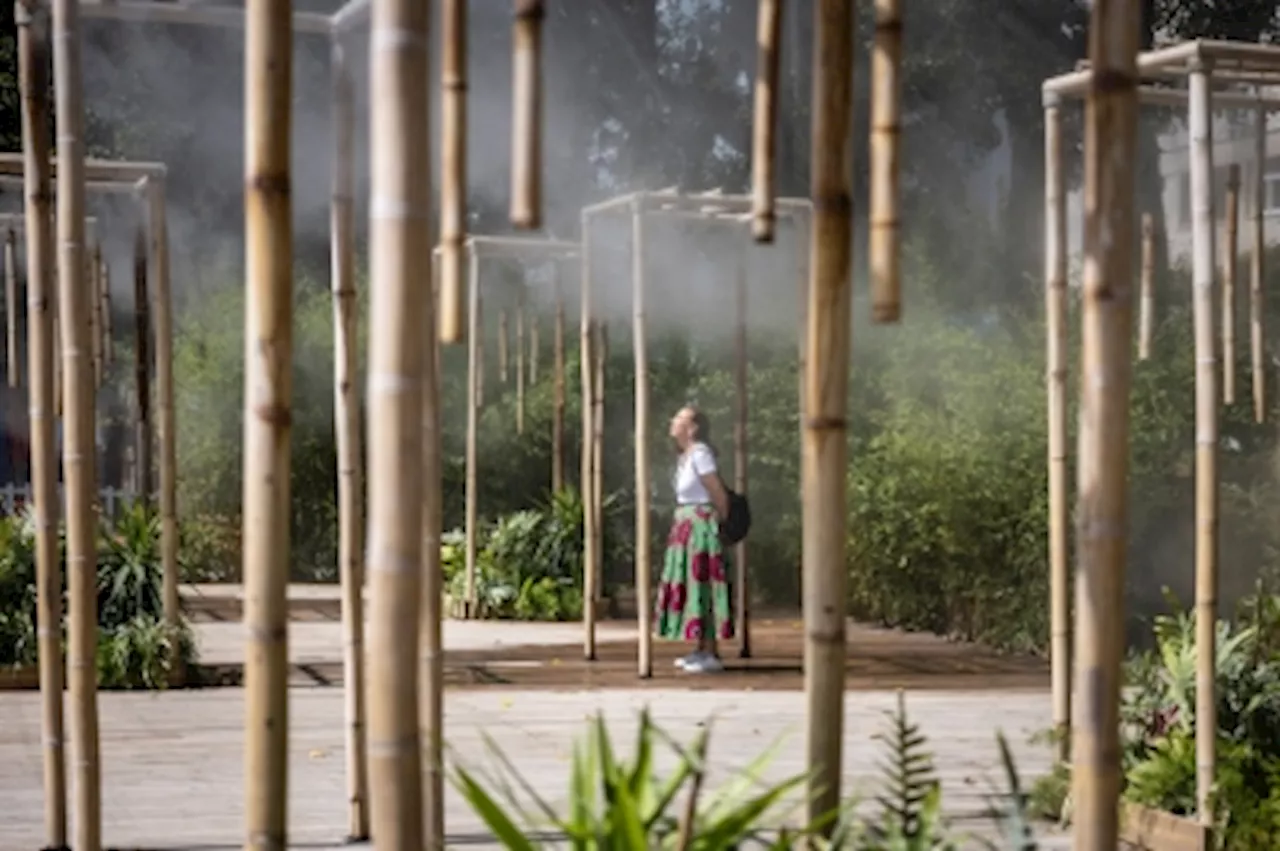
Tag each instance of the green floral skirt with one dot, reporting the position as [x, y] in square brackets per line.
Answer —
[693, 595]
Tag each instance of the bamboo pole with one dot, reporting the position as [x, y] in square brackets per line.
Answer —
[94, 274]
[1055, 278]
[558, 405]
[267, 419]
[742, 601]
[57, 346]
[431, 698]
[526, 122]
[479, 326]
[587, 480]
[802, 380]
[142, 365]
[346, 411]
[32, 21]
[1257, 271]
[1147, 305]
[1111, 110]
[520, 361]
[600, 353]
[78, 438]
[503, 339]
[826, 395]
[1230, 266]
[108, 338]
[535, 344]
[11, 305]
[474, 377]
[453, 171]
[765, 119]
[1200, 126]
[643, 543]
[167, 433]
[400, 255]
[886, 119]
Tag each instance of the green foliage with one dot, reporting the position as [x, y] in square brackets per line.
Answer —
[139, 653]
[911, 798]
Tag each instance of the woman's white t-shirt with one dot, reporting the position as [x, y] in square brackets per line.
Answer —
[697, 462]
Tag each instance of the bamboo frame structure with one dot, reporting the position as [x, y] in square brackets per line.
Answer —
[453, 170]
[765, 119]
[1230, 265]
[526, 120]
[477, 248]
[886, 120]
[1147, 287]
[431, 639]
[1257, 270]
[736, 212]
[1203, 63]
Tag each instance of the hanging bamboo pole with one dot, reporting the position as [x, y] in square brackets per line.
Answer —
[826, 395]
[108, 339]
[886, 119]
[558, 405]
[142, 366]
[93, 273]
[1230, 266]
[453, 171]
[11, 305]
[765, 120]
[32, 21]
[267, 419]
[400, 255]
[1200, 125]
[1111, 109]
[742, 597]
[520, 361]
[503, 339]
[431, 698]
[643, 542]
[526, 122]
[57, 346]
[600, 353]
[1147, 305]
[1257, 271]
[346, 411]
[474, 377]
[78, 438]
[167, 433]
[1055, 279]
[587, 480]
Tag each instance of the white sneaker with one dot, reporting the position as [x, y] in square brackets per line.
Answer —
[684, 661]
[703, 663]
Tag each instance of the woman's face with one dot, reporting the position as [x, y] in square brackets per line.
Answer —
[682, 428]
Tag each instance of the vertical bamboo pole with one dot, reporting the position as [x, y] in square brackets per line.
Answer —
[587, 480]
[600, 353]
[643, 542]
[1111, 109]
[474, 373]
[526, 122]
[503, 339]
[78, 443]
[267, 418]
[346, 413]
[1055, 279]
[142, 364]
[11, 305]
[1200, 124]
[453, 171]
[1230, 266]
[479, 327]
[163, 307]
[400, 254]
[520, 361]
[431, 699]
[765, 119]
[827, 395]
[108, 339]
[33, 58]
[742, 601]
[57, 348]
[1147, 305]
[535, 343]
[1257, 270]
[95, 311]
[558, 405]
[886, 118]
[802, 360]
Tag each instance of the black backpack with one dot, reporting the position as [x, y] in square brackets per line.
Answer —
[735, 527]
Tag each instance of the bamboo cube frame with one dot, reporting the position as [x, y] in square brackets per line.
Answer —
[475, 249]
[739, 213]
[1199, 62]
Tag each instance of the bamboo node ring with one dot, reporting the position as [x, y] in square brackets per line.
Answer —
[1106, 80]
[835, 203]
[825, 423]
[529, 10]
[280, 416]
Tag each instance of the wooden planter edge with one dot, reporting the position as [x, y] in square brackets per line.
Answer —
[27, 678]
[1147, 829]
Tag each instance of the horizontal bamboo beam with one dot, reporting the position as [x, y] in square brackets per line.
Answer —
[1076, 84]
[713, 202]
[508, 244]
[1253, 63]
[112, 171]
[18, 221]
[199, 15]
[349, 15]
[109, 187]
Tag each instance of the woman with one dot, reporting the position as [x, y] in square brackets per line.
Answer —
[693, 596]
